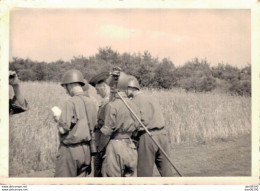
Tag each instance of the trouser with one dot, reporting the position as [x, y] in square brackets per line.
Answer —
[98, 161]
[102, 142]
[120, 159]
[73, 161]
[149, 153]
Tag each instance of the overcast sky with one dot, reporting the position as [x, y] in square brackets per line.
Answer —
[179, 34]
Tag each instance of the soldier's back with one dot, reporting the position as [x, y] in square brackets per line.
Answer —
[150, 109]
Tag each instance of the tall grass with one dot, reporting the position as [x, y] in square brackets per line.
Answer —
[199, 117]
[189, 118]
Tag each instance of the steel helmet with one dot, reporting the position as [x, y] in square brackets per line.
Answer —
[72, 76]
[132, 82]
[120, 82]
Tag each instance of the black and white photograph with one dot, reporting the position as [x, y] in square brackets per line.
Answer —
[131, 92]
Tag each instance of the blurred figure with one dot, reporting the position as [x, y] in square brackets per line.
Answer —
[103, 89]
[90, 91]
[120, 159]
[152, 117]
[75, 125]
[17, 103]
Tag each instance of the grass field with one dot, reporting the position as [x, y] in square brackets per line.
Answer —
[191, 118]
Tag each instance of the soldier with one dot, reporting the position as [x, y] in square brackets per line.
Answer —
[152, 118]
[90, 91]
[17, 103]
[101, 86]
[99, 82]
[121, 155]
[75, 126]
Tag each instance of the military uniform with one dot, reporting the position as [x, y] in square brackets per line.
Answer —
[100, 139]
[74, 158]
[121, 155]
[148, 152]
[14, 106]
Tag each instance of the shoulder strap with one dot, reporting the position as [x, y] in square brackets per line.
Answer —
[86, 112]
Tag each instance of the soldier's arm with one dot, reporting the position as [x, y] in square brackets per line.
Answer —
[66, 118]
[18, 103]
[140, 111]
[101, 116]
[92, 116]
[18, 94]
[16, 106]
[109, 122]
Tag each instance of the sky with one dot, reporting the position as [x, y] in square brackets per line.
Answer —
[218, 35]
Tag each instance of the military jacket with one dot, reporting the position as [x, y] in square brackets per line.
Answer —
[150, 111]
[118, 118]
[77, 120]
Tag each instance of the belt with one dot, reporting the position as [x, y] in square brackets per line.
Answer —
[75, 144]
[122, 136]
[155, 129]
[125, 137]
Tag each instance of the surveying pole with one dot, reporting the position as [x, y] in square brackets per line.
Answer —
[145, 128]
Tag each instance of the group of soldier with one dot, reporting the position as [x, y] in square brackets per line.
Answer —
[109, 130]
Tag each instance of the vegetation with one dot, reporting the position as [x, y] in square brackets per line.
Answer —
[195, 75]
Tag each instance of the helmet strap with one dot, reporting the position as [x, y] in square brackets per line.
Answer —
[66, 88]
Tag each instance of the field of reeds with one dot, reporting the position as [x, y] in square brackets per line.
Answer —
[191, 118]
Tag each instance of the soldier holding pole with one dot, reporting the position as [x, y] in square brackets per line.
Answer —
[121, 155]
[150, 150]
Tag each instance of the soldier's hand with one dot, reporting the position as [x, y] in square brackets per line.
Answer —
[99, 125]
[135, 135]
[56, 118]
[13, 78]
[97, 128]
[56, 113]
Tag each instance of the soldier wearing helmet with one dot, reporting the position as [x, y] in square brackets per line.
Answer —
[75, 126]
[121, 155]
[152, 117]
[99, 81]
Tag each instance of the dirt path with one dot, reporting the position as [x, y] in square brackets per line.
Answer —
[225, 157]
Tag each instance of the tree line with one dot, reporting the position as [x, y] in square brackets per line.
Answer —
[195, 75]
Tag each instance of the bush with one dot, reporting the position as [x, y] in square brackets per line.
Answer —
[226, 72]
[199, 84]
[27, 75]
[164, 75]
[196, 76]
[242, 88]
